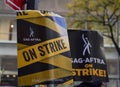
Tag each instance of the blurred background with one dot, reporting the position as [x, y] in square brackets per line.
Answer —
[79, 14]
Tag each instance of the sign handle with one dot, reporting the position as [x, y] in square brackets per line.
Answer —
[32, 4]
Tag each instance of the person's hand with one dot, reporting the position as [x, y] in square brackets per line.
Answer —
[103, 84]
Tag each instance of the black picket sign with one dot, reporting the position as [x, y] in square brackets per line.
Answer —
[88, 57]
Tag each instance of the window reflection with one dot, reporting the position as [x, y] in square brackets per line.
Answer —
[7, 24]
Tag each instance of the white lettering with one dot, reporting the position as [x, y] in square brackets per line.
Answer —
[88, 60]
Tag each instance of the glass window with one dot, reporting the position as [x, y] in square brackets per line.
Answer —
[7, 27]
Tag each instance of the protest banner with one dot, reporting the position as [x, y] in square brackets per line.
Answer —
[88, 57]
[43, 49]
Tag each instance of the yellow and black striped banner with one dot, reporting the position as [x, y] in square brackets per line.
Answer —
[43, 49]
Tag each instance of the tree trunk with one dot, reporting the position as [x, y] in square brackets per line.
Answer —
[113, 40]
[116, 45]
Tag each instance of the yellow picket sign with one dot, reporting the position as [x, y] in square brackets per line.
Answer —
[43, 49]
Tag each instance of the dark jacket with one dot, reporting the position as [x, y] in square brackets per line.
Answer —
[90, 84]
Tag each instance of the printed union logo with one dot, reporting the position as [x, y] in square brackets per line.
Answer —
[31, 32]
[86, 45]
[31, 36]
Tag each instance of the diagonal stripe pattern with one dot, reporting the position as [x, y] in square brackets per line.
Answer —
[43, 49]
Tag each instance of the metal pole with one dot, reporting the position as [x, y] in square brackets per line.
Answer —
[117, 36]
[32, 4]
[36, 4]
